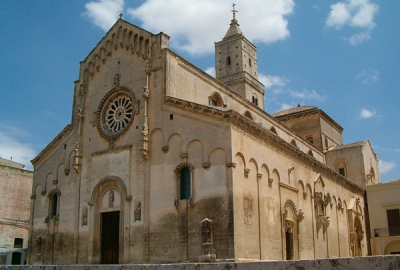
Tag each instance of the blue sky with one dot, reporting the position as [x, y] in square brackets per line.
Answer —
[341, 56]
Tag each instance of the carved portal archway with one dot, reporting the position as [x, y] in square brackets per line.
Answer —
[290, 219]
[108, 210]
[356, 237]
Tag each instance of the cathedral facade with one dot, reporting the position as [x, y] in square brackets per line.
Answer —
[165, 163]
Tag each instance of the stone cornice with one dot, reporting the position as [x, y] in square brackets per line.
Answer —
[117, 149]
[52, 144]
[261, 133]
[288, 187]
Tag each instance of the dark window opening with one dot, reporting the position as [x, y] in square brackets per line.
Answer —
[393, 219]
[54, 205]
[16, 258]
[171, 117]
[254, 100]
[248, 115]
[18, 242]
[342, 171]
[185, 183]
[228, 60]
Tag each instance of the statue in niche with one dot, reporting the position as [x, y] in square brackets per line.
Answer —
[207, 241]
[319, 211]
[40, 246]
[248, 210]
[84, 216]
[138, 212]
[206, 232]
[111, 198]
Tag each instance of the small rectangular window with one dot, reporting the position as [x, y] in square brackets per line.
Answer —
[342, 172]
[18, 242]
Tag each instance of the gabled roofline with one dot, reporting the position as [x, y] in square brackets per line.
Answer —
[120, 21]
[52, 144]
[312, 110]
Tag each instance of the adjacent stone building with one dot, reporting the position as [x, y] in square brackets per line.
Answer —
[384, 216]
[164, 163]
[15, 191]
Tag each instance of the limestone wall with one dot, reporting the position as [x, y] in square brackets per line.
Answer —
[364, 263]
[15, 190]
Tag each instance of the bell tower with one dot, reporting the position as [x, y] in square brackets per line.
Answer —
[236, 64]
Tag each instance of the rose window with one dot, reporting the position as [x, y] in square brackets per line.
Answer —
[116, 112]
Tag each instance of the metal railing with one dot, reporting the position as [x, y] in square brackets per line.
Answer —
[391, 231]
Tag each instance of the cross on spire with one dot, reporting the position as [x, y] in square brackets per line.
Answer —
[234, 10]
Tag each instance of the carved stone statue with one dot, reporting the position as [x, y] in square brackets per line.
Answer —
[138, 212]
[207, 241]
[40, 246]
[111, 198]
[84, 216]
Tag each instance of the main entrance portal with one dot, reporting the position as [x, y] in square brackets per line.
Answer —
[110, 237]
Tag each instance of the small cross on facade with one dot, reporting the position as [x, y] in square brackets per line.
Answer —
[234, 10]
[120, 15]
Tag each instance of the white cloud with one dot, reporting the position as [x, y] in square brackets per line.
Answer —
[368, 76]
[367, 113]
[189, 22]
[210, 71]
[386, 166]
[104, 13]
[272, 81]
[12, 145]
[358, 38]
[285, 106]
[355, 14]
[307, 94]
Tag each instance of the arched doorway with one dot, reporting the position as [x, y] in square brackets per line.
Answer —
[289, 244]
[108, 200]
[290, 231]
[109, 228]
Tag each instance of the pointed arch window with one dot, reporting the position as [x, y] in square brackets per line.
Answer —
[215, 100]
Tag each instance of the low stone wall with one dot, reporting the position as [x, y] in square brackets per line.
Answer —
[373, 262]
